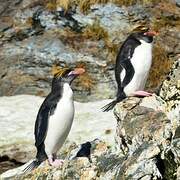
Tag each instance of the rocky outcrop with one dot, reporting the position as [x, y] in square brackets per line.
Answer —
[147, 147]
[141, 122]
[170, 92]
[144, 134]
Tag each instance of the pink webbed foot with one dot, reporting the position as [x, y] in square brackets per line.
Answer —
[55, 162]
[142, 93]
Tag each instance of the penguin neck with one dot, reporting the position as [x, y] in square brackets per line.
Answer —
[57, 87]
[62, 89]
[63, 92]
[67, 91]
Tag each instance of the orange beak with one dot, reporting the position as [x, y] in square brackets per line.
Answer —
[78, 71]
[151, 33]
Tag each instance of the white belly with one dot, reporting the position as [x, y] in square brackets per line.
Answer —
[59, 124]
[141, 61]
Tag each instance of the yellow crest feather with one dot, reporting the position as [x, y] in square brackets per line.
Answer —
[58, 71]
[140, 28]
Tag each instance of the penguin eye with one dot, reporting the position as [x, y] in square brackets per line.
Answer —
[66, 73]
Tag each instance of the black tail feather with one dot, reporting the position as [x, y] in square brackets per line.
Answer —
[109, 106]
[40, 157]
[32, 166]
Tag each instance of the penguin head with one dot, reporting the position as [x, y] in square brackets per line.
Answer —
[65, 75]
[146, 36]
[143, 33]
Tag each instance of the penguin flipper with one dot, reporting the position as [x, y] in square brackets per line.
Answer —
[129, 69]
[123, 61]
[41, 125]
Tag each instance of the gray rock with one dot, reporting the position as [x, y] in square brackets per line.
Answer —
[175, 146]
[178, 172]
[141, 164]
[36, 55]
[144, 135]
[170, 92]
[31, 56]
[112, 18]
[147, 124]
